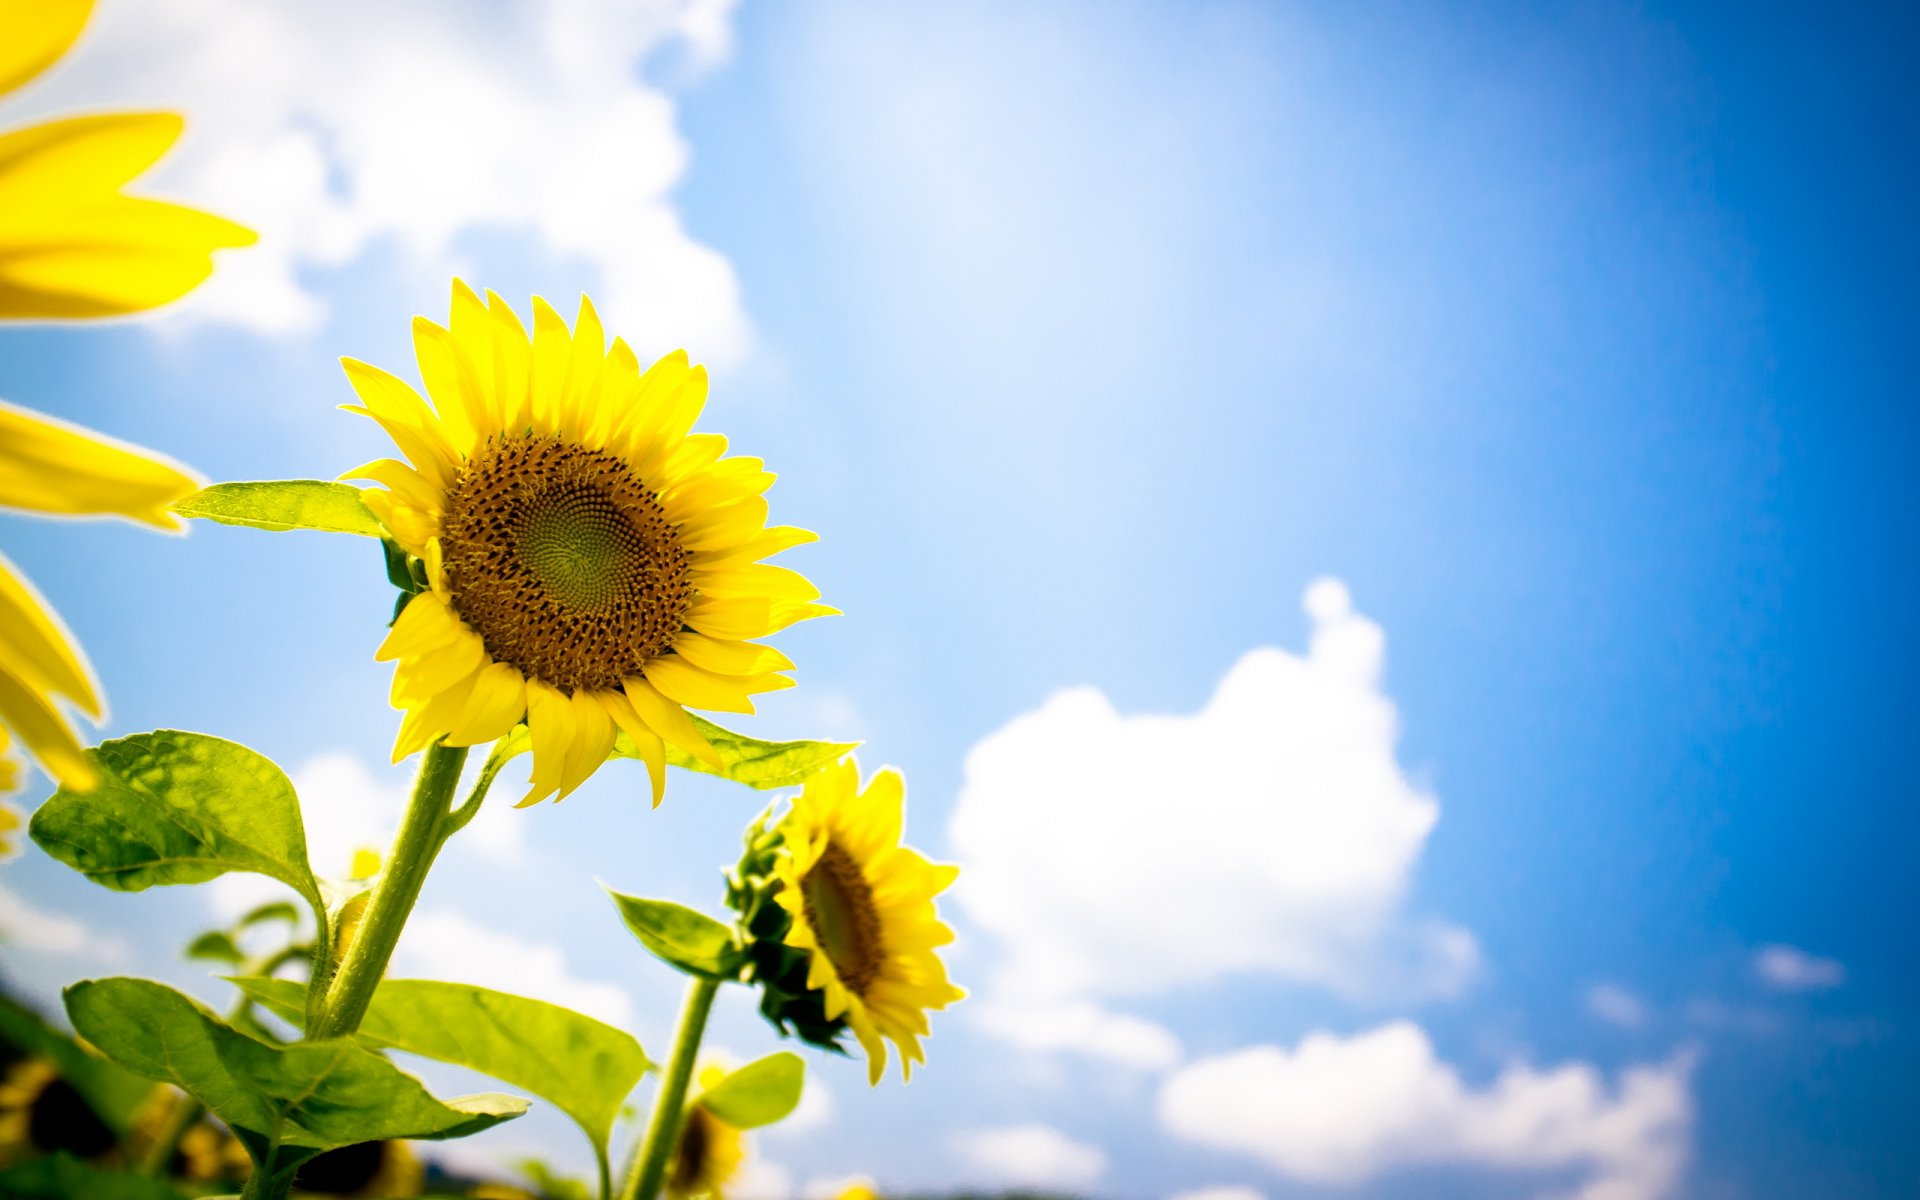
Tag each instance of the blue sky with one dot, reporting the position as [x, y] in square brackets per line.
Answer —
[1090, 337]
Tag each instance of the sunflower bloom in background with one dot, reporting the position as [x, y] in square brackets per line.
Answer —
[709, 1151]
[71, 244]
[48, 466]
[861, 910]
[591, 564]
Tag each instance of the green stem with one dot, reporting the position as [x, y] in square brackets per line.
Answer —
[650, 1165]
[422, 833]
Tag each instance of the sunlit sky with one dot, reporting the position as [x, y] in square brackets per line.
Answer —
[1382, 540]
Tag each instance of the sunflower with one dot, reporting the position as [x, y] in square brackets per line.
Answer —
[708, 1151]
[589, 563]
[41, 1113]
[861, 909]
[51, 467]
[72, 245]
[388, 1169]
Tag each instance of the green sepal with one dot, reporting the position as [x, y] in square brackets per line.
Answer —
[282, 504]
[175, 807]
[760, 1093]
[681, 937]
[114, 1094]
[304, 1097]
[584, 1067]
[64, 1177]
[777, 969]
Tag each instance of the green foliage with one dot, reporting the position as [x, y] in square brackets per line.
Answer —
[216, 945]
[282, 504]
[178, 807]
[64, 1177]
[550, 1184]
[681, 937]
[273, 910]
[748, 760]
[286, 1103]
[584, 1067]
[113, 1094]
[760, 1093]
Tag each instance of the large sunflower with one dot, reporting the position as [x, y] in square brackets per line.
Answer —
[72, 245]
[862, 908]
[591, 563]
[49, 466]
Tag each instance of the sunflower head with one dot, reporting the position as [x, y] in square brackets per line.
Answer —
[41, 1113]
[842, 919]
[386, 1168]
[577, 556]
[709, 1151]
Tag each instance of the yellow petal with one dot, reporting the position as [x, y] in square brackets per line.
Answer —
[681, 681]
[765, 544]
[38, 33]
[413, 426]
[498, 702]
[552, 345]
[424, 625]
[45, 733]
[645, 741]
[729, 658]
[440, 370]
[584, 363]
[670, 721]
[398, 477]
[512, 358]
[36, 649]
[550, 724]
[47, 465]
[472, 330]
[591, 743]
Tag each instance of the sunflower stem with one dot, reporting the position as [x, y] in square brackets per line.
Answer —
[423, 830]
[650, 1165]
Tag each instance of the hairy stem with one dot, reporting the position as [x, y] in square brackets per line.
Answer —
[663, 1129]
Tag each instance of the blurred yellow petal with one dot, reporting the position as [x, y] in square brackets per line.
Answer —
[46, 734]
[38, 33]
[36, 649]
[47, 465]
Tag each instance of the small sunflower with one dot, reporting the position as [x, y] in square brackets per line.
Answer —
[49, 466]
[708, 1152]
[72, 244]
[591, 564]
[388, 1169]
[861, 907]
[41, 1113]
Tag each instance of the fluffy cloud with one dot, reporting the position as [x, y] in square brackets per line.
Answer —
[1221, 1193]
[1340, 1110]
[1790, 969]
[1036, 1156]
[439, 944]
[31, 928]
[1082, 1027]
[1273, 831]
[331, 127]
[1616, 1005]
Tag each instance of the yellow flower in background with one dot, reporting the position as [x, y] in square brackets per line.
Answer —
[593, 564]
[862, 907]
[49, 466]
[709, 1151]
[388, 1169]
[71, 244]
[41, 1114]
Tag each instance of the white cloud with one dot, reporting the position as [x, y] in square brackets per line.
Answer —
[1081, 1027]
[1273, 831]
[1032, 1155]
[1232, 1192]
[1790, 969]
[826, 1187]
[1341, 1110]
[1616, 1005]
[31, 928]
[330, 127]
[440, 944]
[814, 1112]
[758, 1179]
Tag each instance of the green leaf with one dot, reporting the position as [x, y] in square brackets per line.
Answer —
[689, 940]
[748, 760]
[112, 1093]
[216, 946]
[312, 1095]
[760, 1093]
[584, 1067]
[178, 807]
[281, 504]
[64, 1177]
[550, 1184]
[273, 910]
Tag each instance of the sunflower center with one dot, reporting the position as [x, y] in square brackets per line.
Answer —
[689, 1166]
[61, 1120]
[563, 562]
[839, 906]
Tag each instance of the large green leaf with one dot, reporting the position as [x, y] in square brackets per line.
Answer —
[112, 1093]
[760, 1093]
[310, 1095]
[64, 1177]
[280, 504]
[584, 1067]
[682, 937]
[748, 760]
[178, 807]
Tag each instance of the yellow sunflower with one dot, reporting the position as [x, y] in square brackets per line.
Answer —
[72, 245]
[387, 1169]
[51, 467]
[862, 909]
[592, 564]
[708, 1151]
[41, 1113]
